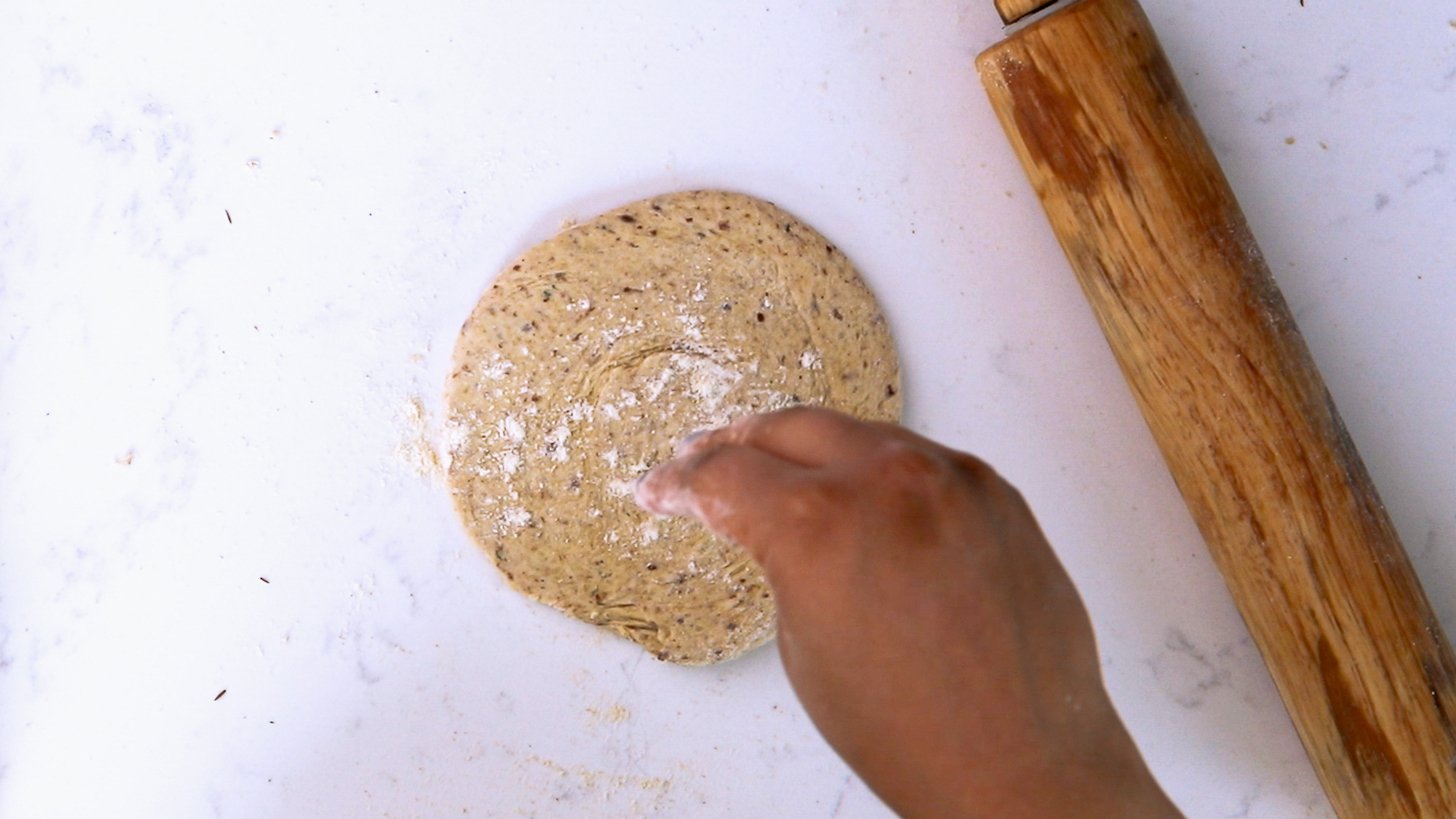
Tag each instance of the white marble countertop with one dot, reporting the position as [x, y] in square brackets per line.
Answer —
[236, 242]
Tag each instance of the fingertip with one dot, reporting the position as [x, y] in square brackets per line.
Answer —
[644, 496]
[727, 487]
[657, 492]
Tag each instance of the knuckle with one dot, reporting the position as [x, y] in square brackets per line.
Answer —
[743, 430]
[706, 466]
[987, 484]
[811, 505]
[976, 471]
[919, 479]
[752, 427]
[899, 461]
[809, 500]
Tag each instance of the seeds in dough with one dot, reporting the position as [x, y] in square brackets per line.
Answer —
[598, 349]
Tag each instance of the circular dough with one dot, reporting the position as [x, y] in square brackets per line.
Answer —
[590, 356]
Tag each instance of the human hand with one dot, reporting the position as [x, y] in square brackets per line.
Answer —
[924, 620]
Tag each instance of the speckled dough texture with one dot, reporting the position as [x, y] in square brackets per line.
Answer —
[593, 354]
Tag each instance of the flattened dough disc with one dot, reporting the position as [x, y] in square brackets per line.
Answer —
[596, 351]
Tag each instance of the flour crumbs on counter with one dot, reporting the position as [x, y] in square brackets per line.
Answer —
[613, 715]
[594, 790]
[422, 448]
[587, 360]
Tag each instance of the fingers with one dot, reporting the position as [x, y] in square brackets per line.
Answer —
[738, 492]
[767, 480]
[807, 436]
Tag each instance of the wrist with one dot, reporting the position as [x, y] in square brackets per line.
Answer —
[1109, 779]
[1105, 778]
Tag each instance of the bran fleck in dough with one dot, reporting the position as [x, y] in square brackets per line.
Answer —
[590, 356]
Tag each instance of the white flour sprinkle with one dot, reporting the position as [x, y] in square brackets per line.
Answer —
[692, 325]
[515, 517]
[453, 437]
[497, 369]
[709, 383]
[611, 336]
[692, 381]
[510, 426]
[510, 461]
[556, 443]
[658, 383]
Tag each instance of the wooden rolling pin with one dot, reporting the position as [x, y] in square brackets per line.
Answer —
[1228, 387]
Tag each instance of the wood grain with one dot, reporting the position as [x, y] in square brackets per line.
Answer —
[1013, 10]
[1233, 398]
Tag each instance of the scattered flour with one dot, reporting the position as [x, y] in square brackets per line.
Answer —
[708, 389]
[613, 335]
[692, 325]
[556, 443]
[635, 364]
[453, 437]
[514, 517]
[497, 369]
[707, 383]
[511, 427]
[425, 448]
[510, 461]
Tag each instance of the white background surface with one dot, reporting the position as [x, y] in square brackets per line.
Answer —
[189, 404]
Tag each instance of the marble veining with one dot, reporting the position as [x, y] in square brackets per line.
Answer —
[236, 244]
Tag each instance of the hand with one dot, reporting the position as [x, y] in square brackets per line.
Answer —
[924, 621]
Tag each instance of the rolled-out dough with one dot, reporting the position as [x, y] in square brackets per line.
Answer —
[597, 350]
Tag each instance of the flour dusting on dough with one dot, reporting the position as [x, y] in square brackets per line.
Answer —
[594, 353]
